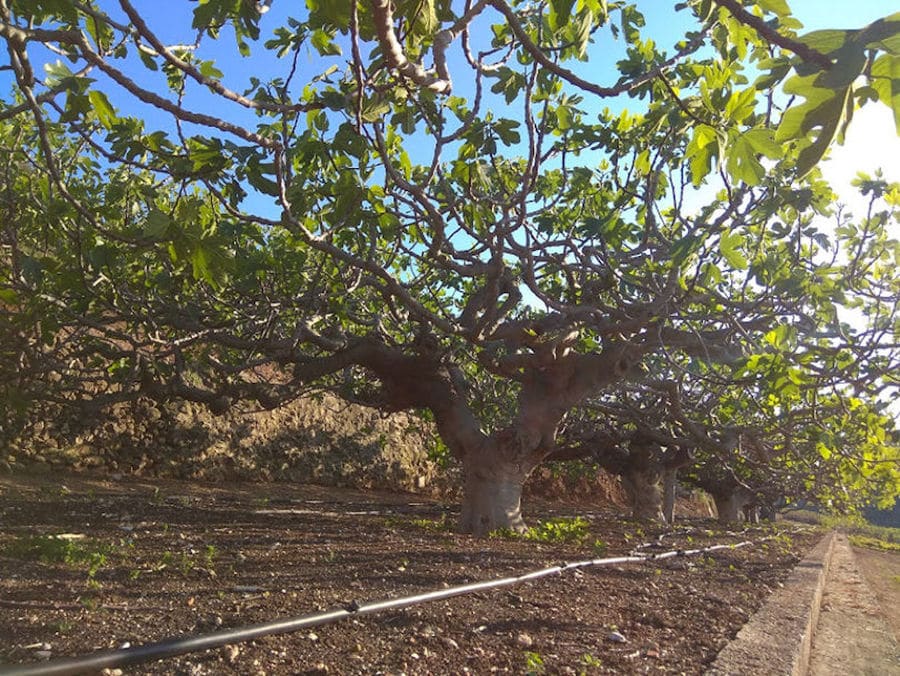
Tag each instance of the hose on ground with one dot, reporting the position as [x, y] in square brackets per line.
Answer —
[173, 647]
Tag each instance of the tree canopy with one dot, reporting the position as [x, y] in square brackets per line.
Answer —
[530, 221]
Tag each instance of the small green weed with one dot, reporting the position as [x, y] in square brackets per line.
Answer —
[75, 552]
[551, 530]
[441, 525]
[88, 603]
[588, 660]
[165, 560]
[186, 563]
[600, 547]
[534, 664]
[63, 626]
[210, 555]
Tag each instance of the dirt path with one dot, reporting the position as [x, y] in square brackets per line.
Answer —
[851, 637]
[882, 571]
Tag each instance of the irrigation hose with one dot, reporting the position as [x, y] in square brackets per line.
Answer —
[179, 646]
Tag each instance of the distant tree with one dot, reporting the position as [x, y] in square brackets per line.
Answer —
[481, 240]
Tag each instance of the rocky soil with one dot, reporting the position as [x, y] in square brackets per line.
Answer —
[148, 559]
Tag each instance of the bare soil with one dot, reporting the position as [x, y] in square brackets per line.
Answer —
[174, 558]
[881, 571]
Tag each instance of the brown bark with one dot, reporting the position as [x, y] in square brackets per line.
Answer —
[496, 466]
[731, 502]
[644, 489]
[492, 496]
[670, 485]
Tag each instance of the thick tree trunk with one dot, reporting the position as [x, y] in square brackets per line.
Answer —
[492, 498]
[728, 508]
[670, 484]
[644, 493]
[751, 513]
[731, 504]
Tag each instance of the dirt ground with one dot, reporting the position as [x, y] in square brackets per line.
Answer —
[881, 571]
[151, 559]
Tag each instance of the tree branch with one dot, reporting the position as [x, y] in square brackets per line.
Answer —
[383, 17]
[774, 37]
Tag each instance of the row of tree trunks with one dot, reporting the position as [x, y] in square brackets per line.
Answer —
[496, 472]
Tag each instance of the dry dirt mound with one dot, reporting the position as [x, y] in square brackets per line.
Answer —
[320, 440]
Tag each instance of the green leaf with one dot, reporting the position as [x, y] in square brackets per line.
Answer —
[157, 224]
[102, 108]
[825, 110]
[774, 71]
[507, 130]
[200, 266]
[208, 69]
[349, 141]
[148, 61]
[781, 336]
[325, 43]
[560, 11]
[779, 7]
[58, 73]
[885, 74]
[642, 162]
[510, 84]
[742, 164]
[740, 105]
[701, 151]
[849, 64]
[809, 157]
[583, 35]
[763, 142]
[374, 108]
[264, 185]
[684, 248]
[728, 246]
[826, 41]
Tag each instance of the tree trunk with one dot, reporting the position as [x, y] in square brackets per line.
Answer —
[730, 505]
[492, 498]
[670, 484]
[751, 513]
[767, 512]
[644, 493]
